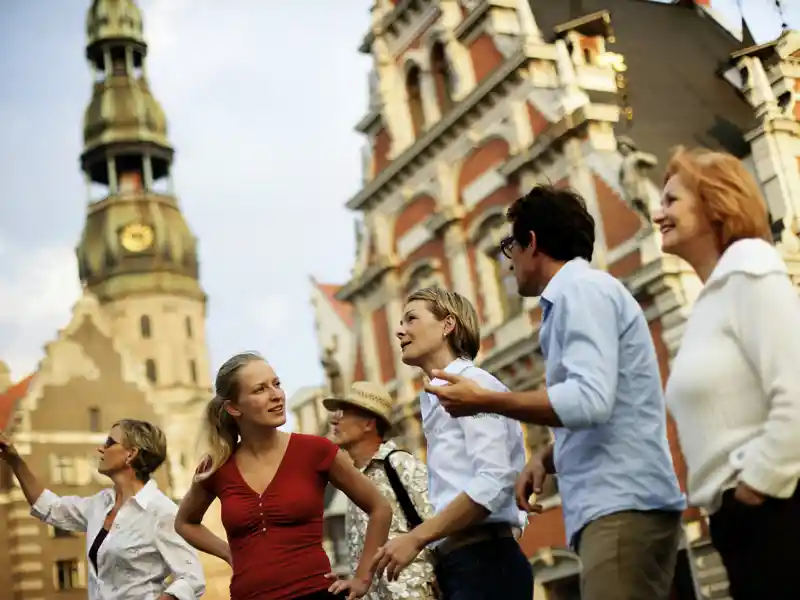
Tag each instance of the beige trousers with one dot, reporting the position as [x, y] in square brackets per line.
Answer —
[629, 555]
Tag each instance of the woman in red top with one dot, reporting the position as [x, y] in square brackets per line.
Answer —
[271, 486]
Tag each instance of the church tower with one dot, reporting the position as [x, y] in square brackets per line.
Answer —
[137, 253]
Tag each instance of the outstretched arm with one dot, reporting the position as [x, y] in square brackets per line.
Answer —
[588, 322]
[64, 512]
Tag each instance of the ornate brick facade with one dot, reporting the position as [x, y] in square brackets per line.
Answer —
[474, 102]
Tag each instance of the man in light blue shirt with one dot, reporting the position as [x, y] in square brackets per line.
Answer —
[621, 498]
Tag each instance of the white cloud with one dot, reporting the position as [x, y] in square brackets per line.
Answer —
[37, 290]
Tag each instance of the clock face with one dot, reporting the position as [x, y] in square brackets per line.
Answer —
[137, 237]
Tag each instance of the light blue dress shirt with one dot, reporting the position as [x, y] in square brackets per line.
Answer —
[480, 455]
[603, 381]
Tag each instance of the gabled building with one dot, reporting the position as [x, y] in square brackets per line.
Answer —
[473, 102]
[135, 346]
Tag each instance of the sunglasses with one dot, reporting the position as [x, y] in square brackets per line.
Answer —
[110, 442]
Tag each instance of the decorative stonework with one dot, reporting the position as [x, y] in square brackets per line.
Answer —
[65, 360]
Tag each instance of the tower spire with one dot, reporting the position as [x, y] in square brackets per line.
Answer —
[135, 237]
[137, 255]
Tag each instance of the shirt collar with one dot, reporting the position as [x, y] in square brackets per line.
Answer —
[571, 270]
[383, 451]
[143, 497]
[750, 256]
[458, 365]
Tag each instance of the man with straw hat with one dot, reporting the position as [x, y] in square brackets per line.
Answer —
[360, 422]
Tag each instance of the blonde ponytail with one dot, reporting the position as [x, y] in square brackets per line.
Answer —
[221, 435]
[221, 430]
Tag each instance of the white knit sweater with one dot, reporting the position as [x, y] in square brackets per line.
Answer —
[734, 387]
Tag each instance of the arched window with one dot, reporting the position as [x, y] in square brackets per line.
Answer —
[414, 91]
[144, 326]
[94, 419]
[150, 370]
[443, 77]
[423, 276]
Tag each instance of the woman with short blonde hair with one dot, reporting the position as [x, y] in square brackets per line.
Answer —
[132, 546]
[734, 386]
[271, 486]
[473, 463]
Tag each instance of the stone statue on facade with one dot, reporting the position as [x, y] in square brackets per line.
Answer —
[392, 96]
[374, 90]
[333, 370]
[636, 185]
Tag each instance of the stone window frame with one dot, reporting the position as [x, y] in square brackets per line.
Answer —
[146, 327]
[76, 575]
[485, 236]
[423, 273]
[151, 370]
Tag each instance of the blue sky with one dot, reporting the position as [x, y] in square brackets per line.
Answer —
[261, 104]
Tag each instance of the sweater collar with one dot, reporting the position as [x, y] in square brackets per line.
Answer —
[752, 256]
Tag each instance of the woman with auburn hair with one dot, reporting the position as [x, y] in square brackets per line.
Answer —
[131, 544]
[473, 463]
[734, 387]
[271, 487]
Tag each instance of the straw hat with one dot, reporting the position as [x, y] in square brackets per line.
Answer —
[367, 396]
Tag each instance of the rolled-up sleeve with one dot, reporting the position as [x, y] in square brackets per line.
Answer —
[188, 580]
[487, 441]
[65, 512]
[586, 325]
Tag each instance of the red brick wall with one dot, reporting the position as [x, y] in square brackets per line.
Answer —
[537, 119]
[626, 266]
[383, 341]
[620, 223]
[419, 209]
[502, 197]
[359, 372]
[383, 143]
[544, 530]
[490, 154]
[434, 250]
[485, 57]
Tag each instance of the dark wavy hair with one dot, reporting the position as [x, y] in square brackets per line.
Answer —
[563, 226]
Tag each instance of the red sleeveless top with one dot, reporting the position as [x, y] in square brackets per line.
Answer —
[276, 537]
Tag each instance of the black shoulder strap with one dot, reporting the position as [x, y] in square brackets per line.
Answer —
[412, 516]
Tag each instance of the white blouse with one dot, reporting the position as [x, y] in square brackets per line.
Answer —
[141, 549]
[734, 386]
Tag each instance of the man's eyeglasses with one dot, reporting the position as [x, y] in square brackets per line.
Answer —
[110, 442]
[506, 245]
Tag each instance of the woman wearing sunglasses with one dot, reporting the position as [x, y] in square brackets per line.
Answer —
[131, 542]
